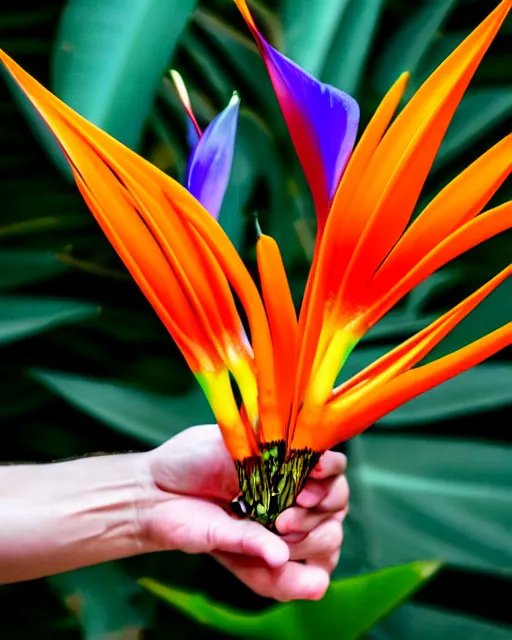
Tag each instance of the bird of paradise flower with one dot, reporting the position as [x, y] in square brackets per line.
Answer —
[367, 257]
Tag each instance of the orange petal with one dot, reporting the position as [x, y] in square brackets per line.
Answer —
[340, 424]
[156, 241]
[410, 352]
[485, 226]
[283, 322]
[460, 201]
[397, 171]
[323, 273]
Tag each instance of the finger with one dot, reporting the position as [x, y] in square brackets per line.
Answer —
[298, 520]
[243, 537]
[316, 491]
[326, 563]
[322, 542]
[325, 495]
[332, 463]
[293, 581]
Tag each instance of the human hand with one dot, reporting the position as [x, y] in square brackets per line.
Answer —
[192, 479]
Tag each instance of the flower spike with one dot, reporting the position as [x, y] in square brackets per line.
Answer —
[367, 257]
[368, 217]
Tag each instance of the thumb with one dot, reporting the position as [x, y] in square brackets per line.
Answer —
[248, 538]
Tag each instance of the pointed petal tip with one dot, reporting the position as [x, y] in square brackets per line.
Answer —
[235, 99]
[259, 232]
[180, 87]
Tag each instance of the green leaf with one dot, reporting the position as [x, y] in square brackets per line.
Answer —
[428, 623]
[435, 284]
[309, 30]
[256, 164]
[38, 126]
[494, 312]
[410, 42]
[109, 57]
[242, 55]
[484, 388]
[22, 267]
[106, 600]
[398, 324]
[351, 606]
[480, 111]
[25, 317]
[352, 44]
[149, 417]
[448, 498]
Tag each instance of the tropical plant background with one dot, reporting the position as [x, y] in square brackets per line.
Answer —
[85, 365]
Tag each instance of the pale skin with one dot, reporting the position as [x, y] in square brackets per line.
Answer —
[62, 516]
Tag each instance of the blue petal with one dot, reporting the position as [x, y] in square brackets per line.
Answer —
[322, 120]
[210, 162]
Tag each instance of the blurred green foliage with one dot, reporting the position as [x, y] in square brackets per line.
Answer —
[86, 366]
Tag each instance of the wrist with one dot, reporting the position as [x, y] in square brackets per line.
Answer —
[87, 511]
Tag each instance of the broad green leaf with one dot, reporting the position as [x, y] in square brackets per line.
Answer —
[211, 71]
[437, 283]
[494, 312]
[38, 125]
[256, 164]
[410, 42]
[149, 417]
[484, 388]
[25, 317]
[351, 606]
[398, 324]
[22, 267]
[352, 44]
[12, 20]
[429, 623]
[106, 600]
[480, 111]
[109, 57]
[240, 52]
[440, 497]
[309, 29]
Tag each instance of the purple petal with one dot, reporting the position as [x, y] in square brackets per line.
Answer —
[210, 162]
[322, 120]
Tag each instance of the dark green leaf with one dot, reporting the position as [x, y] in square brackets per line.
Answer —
[22, 267]
[147, 416]
[107, 602]
[483, 388]
[428, 623]
[309, 30]
[479, 111]
[410, 42]
[436, 497]
[24, 317]
[352, 44]
[398, 324]
[494, 312]
[351, 606]
[109, 58]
